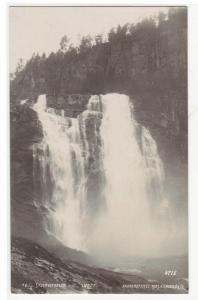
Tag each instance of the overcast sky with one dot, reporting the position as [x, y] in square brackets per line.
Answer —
[40, 29]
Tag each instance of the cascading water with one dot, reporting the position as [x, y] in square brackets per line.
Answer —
[127, 226]
[155, 175]
[62, 175]
[101, 148]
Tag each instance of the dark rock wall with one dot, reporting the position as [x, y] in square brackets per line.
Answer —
[25, 130]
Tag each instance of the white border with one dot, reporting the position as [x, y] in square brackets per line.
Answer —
[193, 147]
[4, 136]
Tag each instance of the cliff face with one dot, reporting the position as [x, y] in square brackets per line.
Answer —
[25, 131]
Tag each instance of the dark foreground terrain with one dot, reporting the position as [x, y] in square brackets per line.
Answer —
[36, 270]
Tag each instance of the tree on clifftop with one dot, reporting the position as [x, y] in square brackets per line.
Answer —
[64, 44]
[86, 43]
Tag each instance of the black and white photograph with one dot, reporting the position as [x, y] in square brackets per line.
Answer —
[98, 149]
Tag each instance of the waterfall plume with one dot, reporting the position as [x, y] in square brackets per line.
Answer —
[102, 185]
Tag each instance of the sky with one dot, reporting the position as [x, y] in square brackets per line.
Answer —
[40, 29]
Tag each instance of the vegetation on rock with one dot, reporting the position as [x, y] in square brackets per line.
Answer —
[148, 56]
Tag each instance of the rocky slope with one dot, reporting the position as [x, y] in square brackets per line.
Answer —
[36, 270]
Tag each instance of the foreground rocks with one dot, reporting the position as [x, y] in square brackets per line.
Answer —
[35, 270]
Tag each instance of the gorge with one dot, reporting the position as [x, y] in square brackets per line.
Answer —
[99, 163]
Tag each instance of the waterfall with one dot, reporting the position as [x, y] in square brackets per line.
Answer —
[62, 175]
[129, 224]
[102, 187]
[155, 176]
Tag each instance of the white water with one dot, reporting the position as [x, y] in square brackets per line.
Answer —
[154, 173]
[62, 155]
[126, 223]
[127, 226]
[22, 102]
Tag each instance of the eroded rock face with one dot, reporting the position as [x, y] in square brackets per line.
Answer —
[25, 130]
[73, 104]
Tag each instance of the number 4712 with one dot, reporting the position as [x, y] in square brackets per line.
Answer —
[170, 272]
